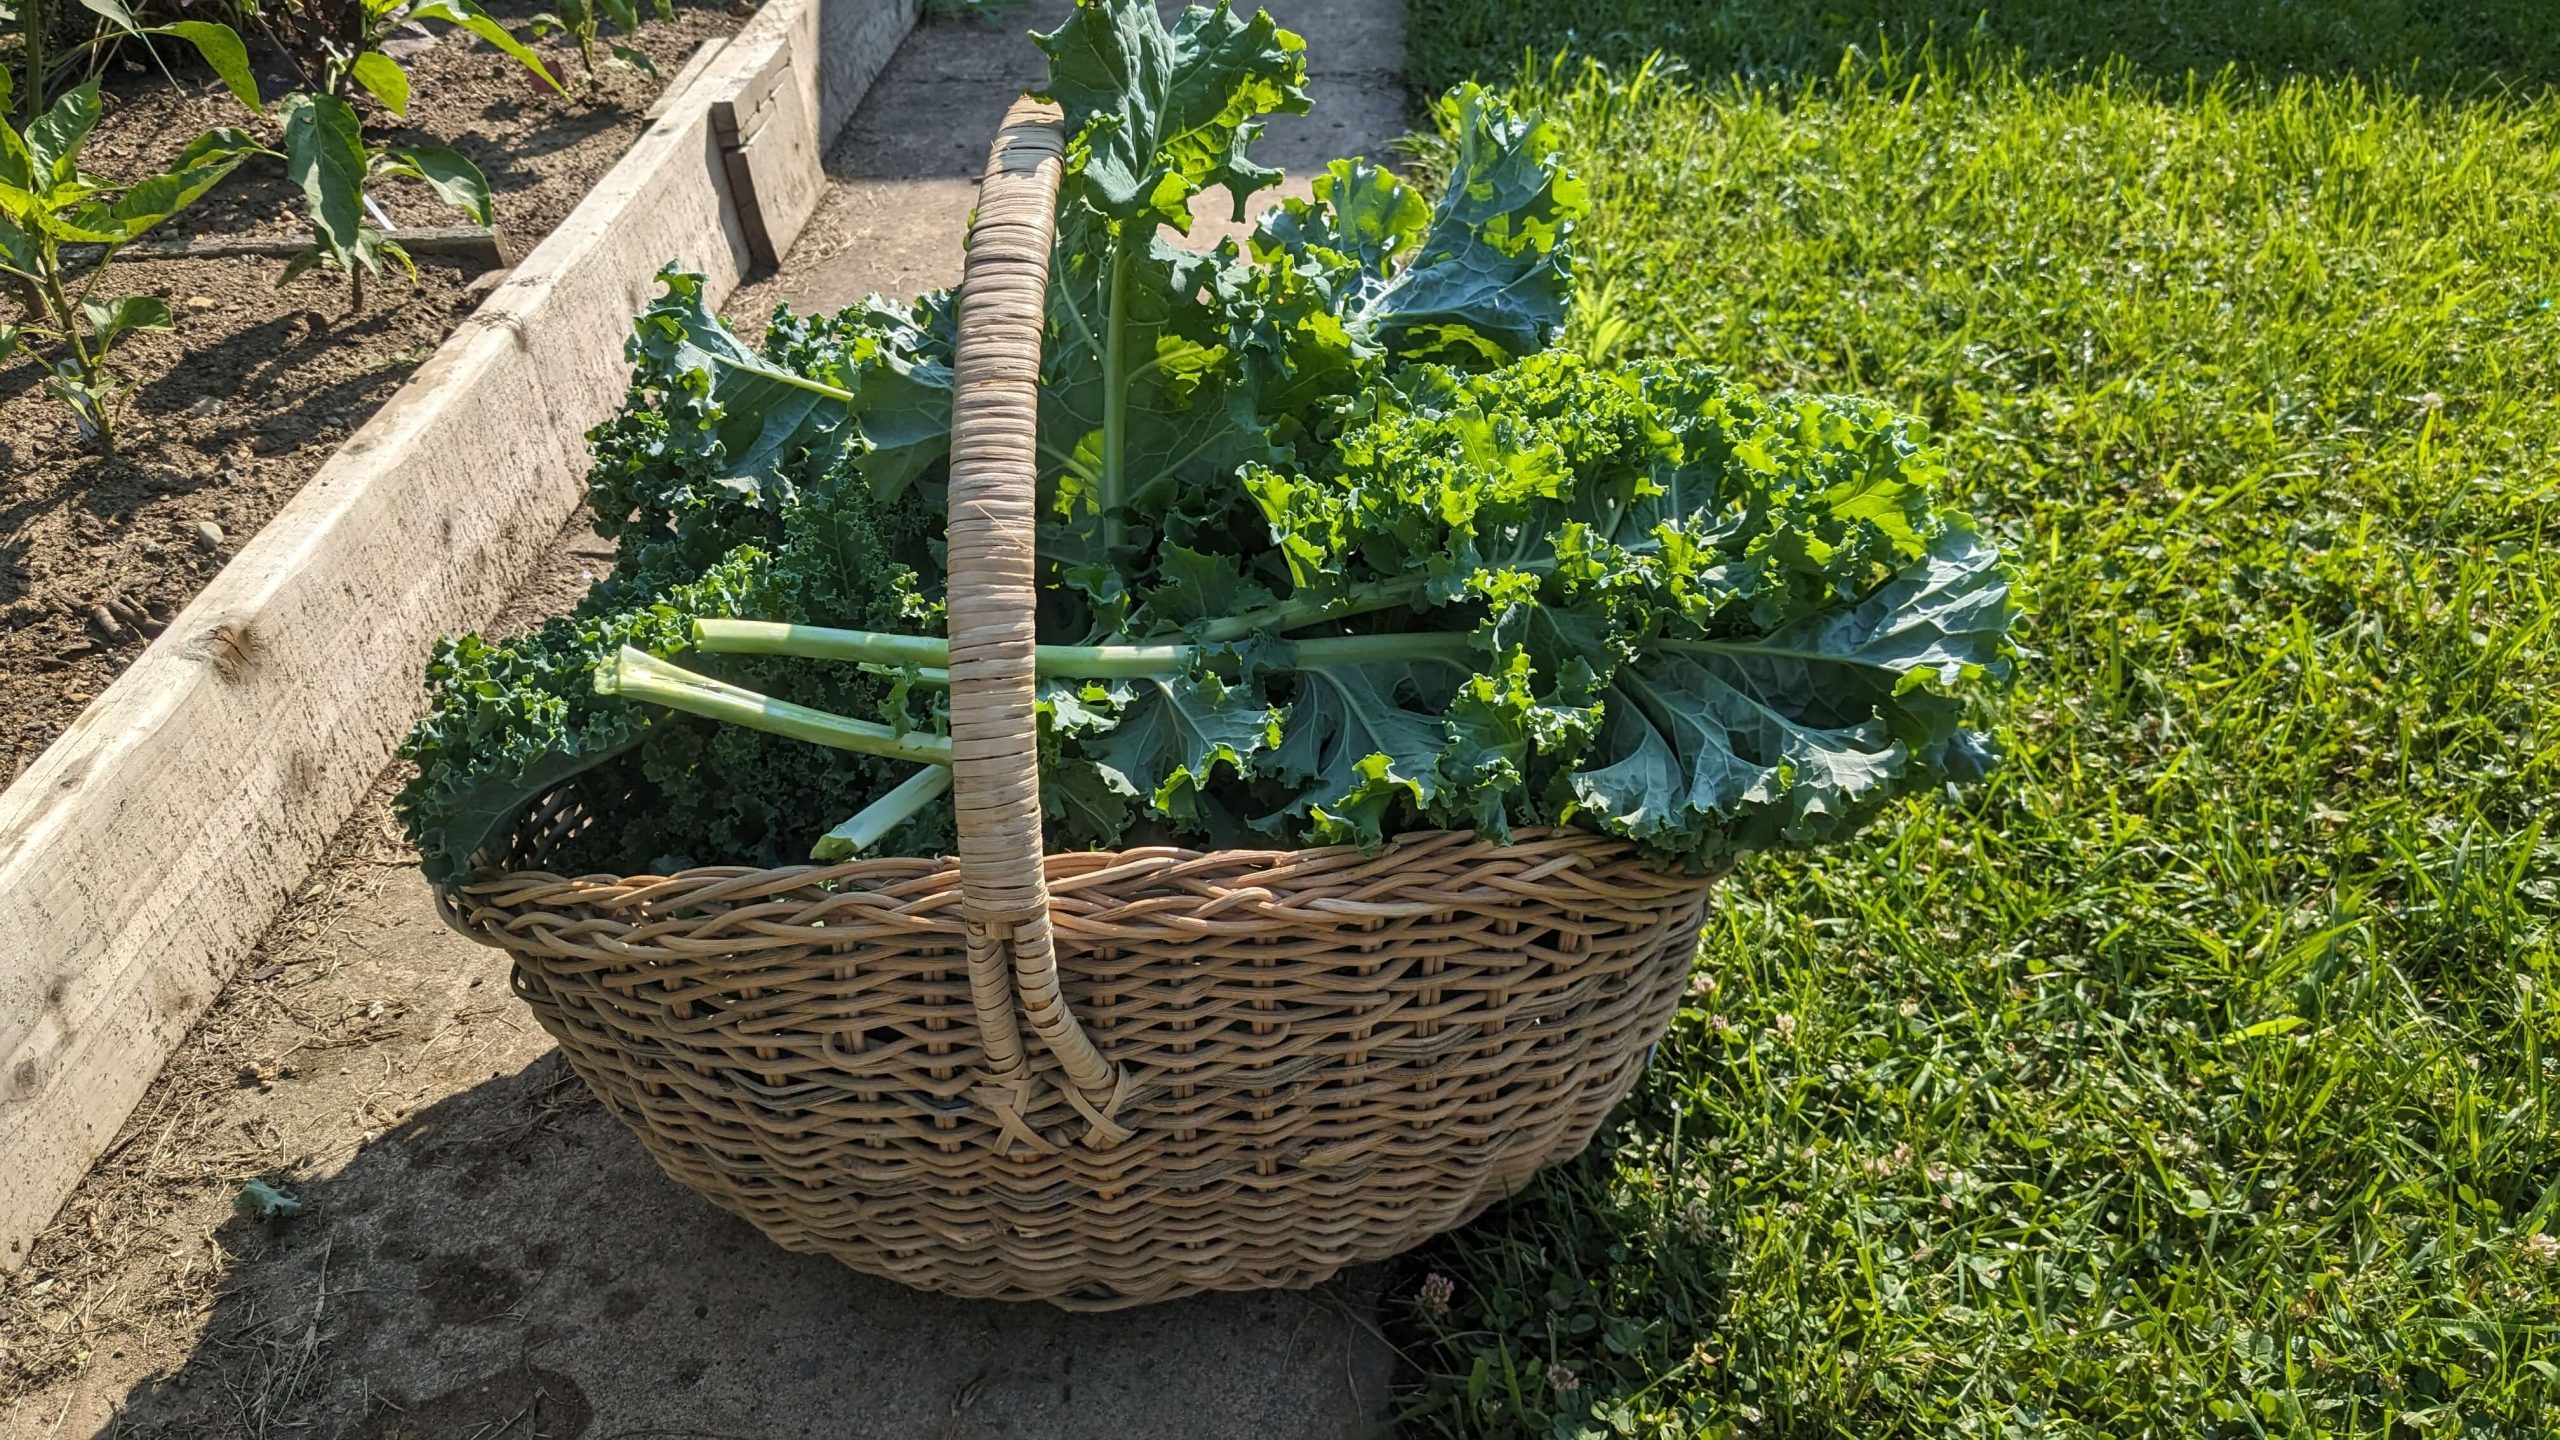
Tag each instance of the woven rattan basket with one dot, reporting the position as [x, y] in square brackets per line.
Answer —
[1242, 1069]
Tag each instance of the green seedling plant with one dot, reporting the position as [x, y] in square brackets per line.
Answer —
[46, 70]
[339, 48]
[74, 322]
[583, 21]
[327, 155]
[47, 201]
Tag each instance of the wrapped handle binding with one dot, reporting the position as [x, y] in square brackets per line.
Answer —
[995, 758]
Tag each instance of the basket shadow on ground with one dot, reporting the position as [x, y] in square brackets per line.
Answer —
[508, 1261]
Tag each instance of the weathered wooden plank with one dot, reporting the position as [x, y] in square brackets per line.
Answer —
[685, 75]
[147, 849]
[767, 120]
[737, 117]
[776, 177]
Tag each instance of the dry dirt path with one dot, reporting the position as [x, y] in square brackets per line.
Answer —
[481, 1251]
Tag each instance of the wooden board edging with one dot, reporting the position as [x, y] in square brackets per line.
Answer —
[149, 847]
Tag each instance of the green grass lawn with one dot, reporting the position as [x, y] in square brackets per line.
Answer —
[2466, 46]
[2196, 1076]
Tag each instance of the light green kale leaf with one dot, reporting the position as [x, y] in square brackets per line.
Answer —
[1155, 116]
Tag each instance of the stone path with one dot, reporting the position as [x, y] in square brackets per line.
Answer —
[483, 1252]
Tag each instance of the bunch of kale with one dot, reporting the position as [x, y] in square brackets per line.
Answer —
[1336, 543]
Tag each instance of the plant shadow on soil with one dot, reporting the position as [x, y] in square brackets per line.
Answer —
[509, 1262]
[256, 359]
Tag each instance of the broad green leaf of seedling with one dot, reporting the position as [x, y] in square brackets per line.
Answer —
[446, 171]
[383, 79]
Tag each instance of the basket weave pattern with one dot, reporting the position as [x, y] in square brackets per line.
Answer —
[1328, 1056]
[1095, 1079]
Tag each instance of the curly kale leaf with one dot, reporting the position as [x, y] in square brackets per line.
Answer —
[894, 361]
[1483, 276]
[1711, 620]
[1171, 736]
[757, 414]
[510, 721]
[1141, 406]
[1155, 116]
[1492, 277]
[1795, 737]
[716, 441]
[1361, 739]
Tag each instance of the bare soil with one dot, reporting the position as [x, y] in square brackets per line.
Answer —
[231, 413]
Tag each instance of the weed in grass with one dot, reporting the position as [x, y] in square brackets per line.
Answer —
[2196, 1077]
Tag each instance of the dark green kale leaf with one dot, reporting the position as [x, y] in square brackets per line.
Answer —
[1748, 612]
[1483, 276]
[1793, 738]
[759, 414]
[510, 721]
[1173, 735]
[1141, 412]
[1155, 116]
[1492, 277]
[715, 441]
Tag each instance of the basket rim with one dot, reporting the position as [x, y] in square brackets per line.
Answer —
[848, 874]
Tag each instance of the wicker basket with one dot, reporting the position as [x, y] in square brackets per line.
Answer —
[1252, 1068]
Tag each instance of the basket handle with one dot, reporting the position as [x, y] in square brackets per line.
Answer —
[995, 759]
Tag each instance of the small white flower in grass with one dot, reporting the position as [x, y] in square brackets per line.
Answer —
[1698, 1219]
[1702, 985]
[2542, 1248]
[1436, 1293]
[1786, 1025]
[1910, 1009]
[1562, 1380]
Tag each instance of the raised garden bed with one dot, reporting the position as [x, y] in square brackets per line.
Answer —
[233, 411]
